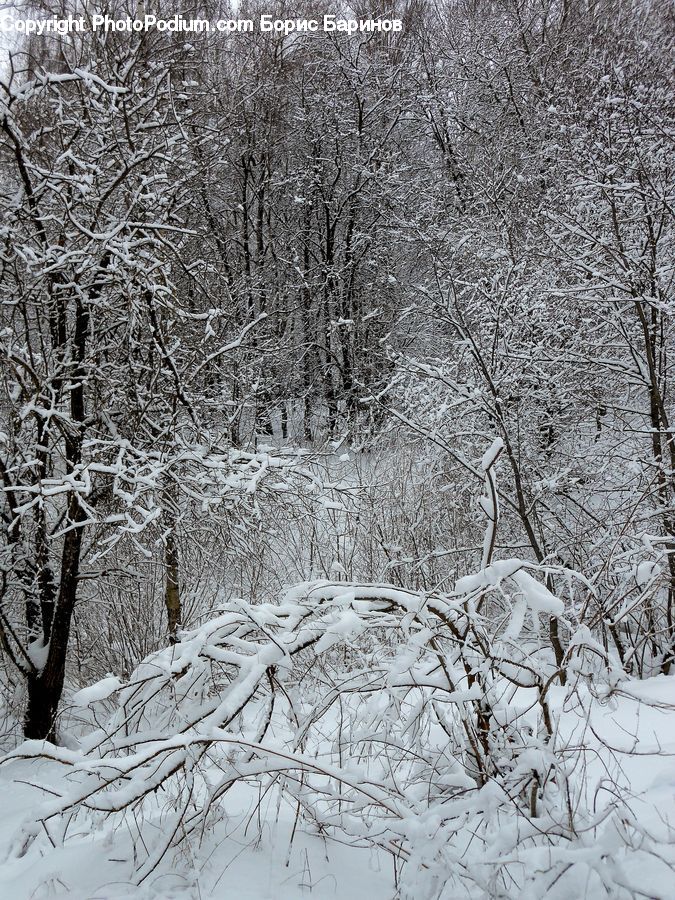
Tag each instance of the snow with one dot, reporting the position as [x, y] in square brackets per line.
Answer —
[536, 595]
[294, 747]
[645, 571]
[99, 691]
[38, 652]
[491, 454]
[269, 862]
[256, 851]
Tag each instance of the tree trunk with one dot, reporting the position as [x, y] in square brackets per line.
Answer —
[171, 589]
[46, 686]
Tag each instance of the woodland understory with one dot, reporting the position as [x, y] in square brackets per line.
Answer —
[337, 523]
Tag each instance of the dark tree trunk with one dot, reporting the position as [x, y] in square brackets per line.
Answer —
[171, 591]
[46, 686]
[40, 712]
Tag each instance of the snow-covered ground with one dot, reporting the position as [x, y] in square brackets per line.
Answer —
[257, 851]
[252, 854]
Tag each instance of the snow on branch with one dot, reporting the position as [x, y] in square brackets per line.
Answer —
[443, 727]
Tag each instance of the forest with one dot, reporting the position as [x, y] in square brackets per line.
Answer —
[337, 521]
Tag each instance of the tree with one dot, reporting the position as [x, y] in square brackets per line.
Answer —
[101, 355]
